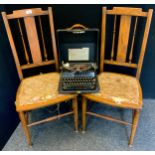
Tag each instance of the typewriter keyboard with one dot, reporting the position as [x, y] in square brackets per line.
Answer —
[78, 80]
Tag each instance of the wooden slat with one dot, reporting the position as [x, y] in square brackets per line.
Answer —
[132, 65]
[27, 13]
[124, 31]
[127, 11]
[12, 44]
[33, 39]
[144, 42]
[51, 21]
[38, 65]
[50, 119]
[103, 38]
[108, 118]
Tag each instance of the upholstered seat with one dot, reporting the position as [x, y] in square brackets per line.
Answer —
[40, 90]
[119, 90]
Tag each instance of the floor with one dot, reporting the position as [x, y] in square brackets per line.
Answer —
[101, 134]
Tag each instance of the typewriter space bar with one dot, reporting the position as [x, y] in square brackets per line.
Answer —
[69, 87]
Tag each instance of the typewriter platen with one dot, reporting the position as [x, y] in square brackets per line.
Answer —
[78, 78]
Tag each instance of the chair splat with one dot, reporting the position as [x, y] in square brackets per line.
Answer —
[33, 39]
[123, 38]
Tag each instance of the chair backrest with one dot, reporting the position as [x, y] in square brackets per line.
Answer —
[29, 23]
[121, 54]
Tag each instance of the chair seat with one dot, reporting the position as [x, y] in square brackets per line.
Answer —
[118, 90]
[39, 91]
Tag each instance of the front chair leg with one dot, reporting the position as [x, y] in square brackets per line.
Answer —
[24, 124]
[75, 110]
[134, 126]
[84, 107]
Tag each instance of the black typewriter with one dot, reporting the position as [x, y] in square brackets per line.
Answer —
[78, 57]
[78, 78]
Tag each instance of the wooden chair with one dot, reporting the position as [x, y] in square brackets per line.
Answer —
[120, 90]
[41, 90]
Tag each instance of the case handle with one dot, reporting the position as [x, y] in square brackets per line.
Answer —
[76, 26]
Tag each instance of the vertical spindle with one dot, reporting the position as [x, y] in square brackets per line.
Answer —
[42, 37]
[113, 41]
[133, 40]
[23, 42]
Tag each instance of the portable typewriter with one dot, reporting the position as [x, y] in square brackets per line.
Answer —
[78, 51]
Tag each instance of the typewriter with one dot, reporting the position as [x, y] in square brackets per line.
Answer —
[78, 57]
[78, 78]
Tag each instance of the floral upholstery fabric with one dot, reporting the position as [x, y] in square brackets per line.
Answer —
[118, 88]
[40, 88]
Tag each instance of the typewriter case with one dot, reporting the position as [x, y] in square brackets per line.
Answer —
[78, 56]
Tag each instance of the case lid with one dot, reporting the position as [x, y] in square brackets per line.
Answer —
[78, 44]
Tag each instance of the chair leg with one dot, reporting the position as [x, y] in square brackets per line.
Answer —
[134, 126]
[24, 124]
[26, 117]
[84, 107]
[75, 109]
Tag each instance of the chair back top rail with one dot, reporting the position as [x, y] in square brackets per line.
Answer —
[127, 11]
[27, 13]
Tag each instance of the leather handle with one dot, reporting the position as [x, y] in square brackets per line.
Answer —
[75, 26]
